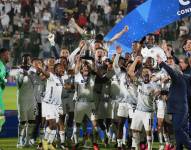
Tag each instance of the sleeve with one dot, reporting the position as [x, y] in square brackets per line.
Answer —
[175, 58]
[72, 56]
[116, 65]
[2, 72]
[19, 78]
[156, 86]
[170, 71]
[53, 49]
[14, 72]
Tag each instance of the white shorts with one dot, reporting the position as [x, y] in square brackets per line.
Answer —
[52, 112]
[44, 109]
[104, 110]
[141, 119]
[161, 107]
[123, 110]
[68, 106]
[131, 111]
[27, 113]
[82, 109]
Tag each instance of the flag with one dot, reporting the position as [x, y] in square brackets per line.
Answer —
[148, 18]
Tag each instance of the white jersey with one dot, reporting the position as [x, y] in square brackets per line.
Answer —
[132, 94]
[122, 82]
[85, 87]
[25, 88]
[53, 91]
[161, 75]
[67, 95]
[145, 97]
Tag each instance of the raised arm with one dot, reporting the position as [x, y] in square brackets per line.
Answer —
[118, 35]
[77, 27]
[131, 71]
[116, 60]
[173, 74]
[74, 53]
[52, 43]
[42, 71]
[78, 65]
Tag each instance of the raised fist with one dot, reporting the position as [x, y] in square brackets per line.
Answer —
[51, 39]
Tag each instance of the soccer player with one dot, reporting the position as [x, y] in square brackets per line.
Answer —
[52, 99]
[39, 88]
[163, 119]
[25, 97]
[102, 90]
[85, 100]
[68, 107]
[143, 115]
[4, 59]
[126, 97]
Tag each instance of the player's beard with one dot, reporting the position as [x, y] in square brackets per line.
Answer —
[146, 79]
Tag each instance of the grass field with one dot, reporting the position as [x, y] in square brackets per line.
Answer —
[10, 144]
[9, 98]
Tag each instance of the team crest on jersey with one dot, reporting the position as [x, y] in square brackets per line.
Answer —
[83, 81]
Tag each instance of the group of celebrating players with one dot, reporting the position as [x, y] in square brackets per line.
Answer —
[58, 96]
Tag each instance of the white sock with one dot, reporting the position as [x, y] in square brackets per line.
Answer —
[149, 142]
[124, 134]
[114, 131]
[119, 142]
[136, 140]
[113, 137]
[62, 136]
[76, 132]
[166, 138]
[47, 133]
[21, 133]
[52, 136]
[160, 136]
[29, 132]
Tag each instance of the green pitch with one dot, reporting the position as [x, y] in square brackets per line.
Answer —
[10, 144]
[9, 98]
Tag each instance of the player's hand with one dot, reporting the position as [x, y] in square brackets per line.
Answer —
[126, 28]
[118, 49]
[138, 59]
[72, 20]
[82, 44]
[159, 59]
[51, 38]
[39, 70]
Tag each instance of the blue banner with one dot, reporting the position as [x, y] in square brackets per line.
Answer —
[148, 18]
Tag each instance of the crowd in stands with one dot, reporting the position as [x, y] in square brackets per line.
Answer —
[25, 24]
